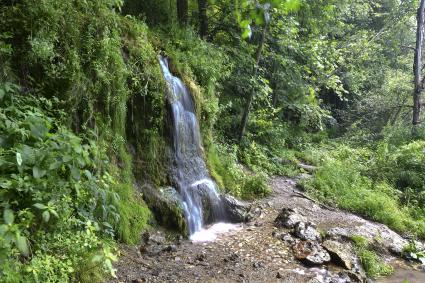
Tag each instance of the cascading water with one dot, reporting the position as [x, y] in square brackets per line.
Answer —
[197, 190]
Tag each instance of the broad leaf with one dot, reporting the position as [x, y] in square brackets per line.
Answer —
[18, 158]
[22, 244]
[40, 206]
[8, 216]
[38, 173]
[46, 216]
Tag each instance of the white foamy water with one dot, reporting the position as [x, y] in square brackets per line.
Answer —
[210, 234]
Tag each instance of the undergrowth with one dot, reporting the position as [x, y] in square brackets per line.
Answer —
[59, 202]
[368, 182]
[371, 262]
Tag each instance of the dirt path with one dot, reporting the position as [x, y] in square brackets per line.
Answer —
[252, 253]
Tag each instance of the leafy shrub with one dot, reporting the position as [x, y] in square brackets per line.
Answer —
[58, 201]
[230, 175]
[272, 162]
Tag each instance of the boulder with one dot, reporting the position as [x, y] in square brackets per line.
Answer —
[311, 253]
[204, 192]
[166, 205]
[306, 231]
[388, 239]
[288, 217]
[235, 210]
[341, 253]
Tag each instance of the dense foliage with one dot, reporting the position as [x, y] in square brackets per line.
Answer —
[83, 119]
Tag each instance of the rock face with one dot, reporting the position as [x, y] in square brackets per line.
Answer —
[235, 210]
[311, 253]
[388, 239]
[287, 218]
[306, 231]
[165, 203]
[341, 253]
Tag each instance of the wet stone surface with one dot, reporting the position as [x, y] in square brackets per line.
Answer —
[259, 251]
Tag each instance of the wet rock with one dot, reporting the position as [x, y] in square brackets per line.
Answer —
[154, 250]
[285, 237]
[311, 253]
[288, 217]
[166, 205]
[279, 275]
[157, 239]
[289, 239]
[235, 210]
[306, 231]
[342, 254]
[349, 276]
[205, 194]
[308, 168]
[201, 257]
[170, 248]
[388, 239]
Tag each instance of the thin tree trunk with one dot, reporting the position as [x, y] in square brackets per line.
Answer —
[183, 12]
[245, 116]
[203, 18]
[417, 66]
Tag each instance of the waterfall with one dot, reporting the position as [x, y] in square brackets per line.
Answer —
[200, 199]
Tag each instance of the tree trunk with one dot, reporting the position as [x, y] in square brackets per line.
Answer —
[183, 12]
[203, 18]
[417, 66]
[245, 116]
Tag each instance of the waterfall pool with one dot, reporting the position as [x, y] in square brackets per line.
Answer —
[210, 234]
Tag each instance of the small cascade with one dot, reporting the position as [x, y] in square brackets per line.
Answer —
[198, 192]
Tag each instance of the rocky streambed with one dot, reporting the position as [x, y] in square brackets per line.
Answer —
[289, 238]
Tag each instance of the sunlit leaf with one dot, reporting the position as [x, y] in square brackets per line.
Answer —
[38, 173]
[18, 158]
[46, 216]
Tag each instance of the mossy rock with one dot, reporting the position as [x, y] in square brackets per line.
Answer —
[166, 205]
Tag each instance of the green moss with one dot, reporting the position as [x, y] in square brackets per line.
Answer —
[134, 215]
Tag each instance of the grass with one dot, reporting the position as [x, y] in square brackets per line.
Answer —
[372, 264]
[339, 181]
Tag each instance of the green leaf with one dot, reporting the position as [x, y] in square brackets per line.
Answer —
[18, 158]
[46, 216]
[22, 244]
[97, 258]
[66, 158]
[55, 165]
[8, 216]
[3, 229]
[88, 174]
[75, 173]
[247, 32]
[55, 214]
[40, 206]
[292, 5]
[2, 93]
[38, 173]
